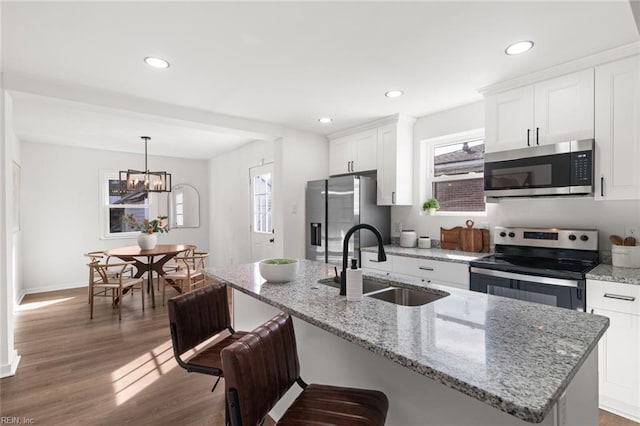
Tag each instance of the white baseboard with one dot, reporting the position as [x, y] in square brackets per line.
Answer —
[65, 286]
[9, 369]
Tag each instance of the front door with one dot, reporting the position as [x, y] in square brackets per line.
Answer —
[262, 231]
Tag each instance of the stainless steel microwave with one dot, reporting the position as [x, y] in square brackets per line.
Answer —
[564, 168]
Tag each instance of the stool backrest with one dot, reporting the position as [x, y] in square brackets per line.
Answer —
[259, 369]
[198, 315]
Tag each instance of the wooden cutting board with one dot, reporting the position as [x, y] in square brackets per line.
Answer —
[460, 238]
[473, 239]
[449, 238]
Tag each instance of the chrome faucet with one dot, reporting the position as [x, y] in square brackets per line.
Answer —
[382, 256]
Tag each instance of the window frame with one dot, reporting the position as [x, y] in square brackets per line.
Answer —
[105, 208]
[427, 177]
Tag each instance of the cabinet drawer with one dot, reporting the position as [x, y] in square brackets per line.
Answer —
[370, 261]
[617, 297]
[434, 270]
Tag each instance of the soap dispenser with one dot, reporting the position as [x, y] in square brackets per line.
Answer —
[354, 282]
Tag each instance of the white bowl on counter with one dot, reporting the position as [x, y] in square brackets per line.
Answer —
[279, 270]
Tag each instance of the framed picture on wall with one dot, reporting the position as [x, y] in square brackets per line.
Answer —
[16, 196]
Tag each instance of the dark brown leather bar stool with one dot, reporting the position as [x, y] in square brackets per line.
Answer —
[196, 317]
[263, 365]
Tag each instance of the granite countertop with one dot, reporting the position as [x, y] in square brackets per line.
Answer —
[516, 356]
[612, 273]
[455, 256]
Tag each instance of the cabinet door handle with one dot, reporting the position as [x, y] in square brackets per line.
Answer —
[393, 197]
[537, 135]
[425, 268]
[352, 165]
[602, 186]
[620, 297]
[528, 133]
[591, 310]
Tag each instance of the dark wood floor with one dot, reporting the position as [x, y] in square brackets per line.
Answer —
[104, 372]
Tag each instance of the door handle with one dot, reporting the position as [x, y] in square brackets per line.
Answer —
[393, 197]
[425, 268]
[537, 135]
[352, 165]
[528, 133]
[602, 186]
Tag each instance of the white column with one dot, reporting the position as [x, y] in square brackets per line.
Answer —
[9, 358]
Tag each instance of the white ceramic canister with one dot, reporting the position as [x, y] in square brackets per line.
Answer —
[408, 238]
[424, 242]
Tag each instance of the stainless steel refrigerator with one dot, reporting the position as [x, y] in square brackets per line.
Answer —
[336, 204]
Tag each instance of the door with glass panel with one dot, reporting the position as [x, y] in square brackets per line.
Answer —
[262, 228]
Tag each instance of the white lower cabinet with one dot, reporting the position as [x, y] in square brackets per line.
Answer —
[619, 348]
[435, 271]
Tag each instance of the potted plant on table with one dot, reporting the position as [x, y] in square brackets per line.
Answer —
[149, 230]
[431, 205]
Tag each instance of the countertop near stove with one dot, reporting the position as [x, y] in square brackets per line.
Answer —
[515, 356]
[615, 274]
[455, 256]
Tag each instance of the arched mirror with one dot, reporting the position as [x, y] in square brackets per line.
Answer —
[184, 207]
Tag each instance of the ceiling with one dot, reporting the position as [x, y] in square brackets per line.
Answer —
[285, 63]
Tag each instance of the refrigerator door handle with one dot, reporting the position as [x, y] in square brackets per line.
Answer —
[393, 197]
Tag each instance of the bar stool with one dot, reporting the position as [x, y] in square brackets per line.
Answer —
[196, 317]
[263, 365]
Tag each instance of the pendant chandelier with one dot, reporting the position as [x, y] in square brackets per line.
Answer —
[145, 181]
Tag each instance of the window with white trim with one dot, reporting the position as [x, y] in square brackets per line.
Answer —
[456, 172]
[115, 206]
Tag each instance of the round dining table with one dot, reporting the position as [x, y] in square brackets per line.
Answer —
[155, 260]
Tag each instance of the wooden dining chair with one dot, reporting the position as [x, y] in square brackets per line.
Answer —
[110, 280]
[101, 257]
[188, 277]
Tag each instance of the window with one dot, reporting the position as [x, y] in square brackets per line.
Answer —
[262, 197]
[456, 166]
[116, 205]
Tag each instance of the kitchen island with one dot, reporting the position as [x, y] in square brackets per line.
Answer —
[467, 358]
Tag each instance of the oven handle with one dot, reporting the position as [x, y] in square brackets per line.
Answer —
[522, 277]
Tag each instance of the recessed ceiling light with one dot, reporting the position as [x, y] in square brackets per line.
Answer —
[518, 47]
[325, 120]
[156, 62]
[394, 93]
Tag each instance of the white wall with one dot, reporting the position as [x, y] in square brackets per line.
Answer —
[608, 217]
[305, 157]
[61, 209]
[297, 157]
[229, 202]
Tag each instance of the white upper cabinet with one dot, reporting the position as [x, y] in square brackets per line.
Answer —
[353, 153]
[509, 119]
[617, 117]
[547, 112]
[395, 163]
[384, 146]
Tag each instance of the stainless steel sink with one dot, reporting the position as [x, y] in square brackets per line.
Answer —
[367, 285]
[407, 297]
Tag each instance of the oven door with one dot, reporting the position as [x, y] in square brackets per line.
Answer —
[562, 293]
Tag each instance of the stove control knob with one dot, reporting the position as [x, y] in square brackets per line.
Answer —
[503, 234]
[512, 234]
[572, 237]
[584, 237]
